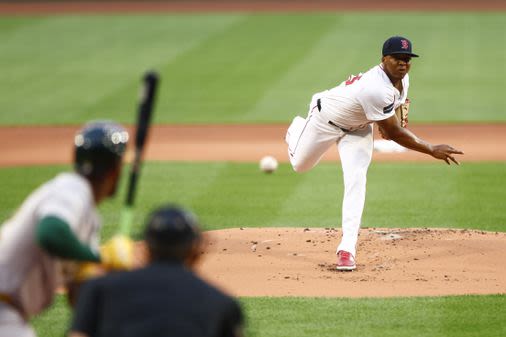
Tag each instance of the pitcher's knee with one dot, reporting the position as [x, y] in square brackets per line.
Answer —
[300, 167]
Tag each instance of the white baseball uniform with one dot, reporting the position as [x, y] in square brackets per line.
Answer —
[344, 115]
[28, 275]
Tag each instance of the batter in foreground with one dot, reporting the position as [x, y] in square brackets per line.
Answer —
[344, 115]
[43, 245]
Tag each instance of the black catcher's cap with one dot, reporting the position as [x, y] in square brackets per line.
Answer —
[171, 225]
[98, 146]
[398, 45]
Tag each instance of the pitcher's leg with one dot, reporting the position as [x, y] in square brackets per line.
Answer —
[306, 148]
[355, 150]
[308, 139]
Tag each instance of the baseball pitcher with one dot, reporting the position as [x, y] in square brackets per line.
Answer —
[344, 116]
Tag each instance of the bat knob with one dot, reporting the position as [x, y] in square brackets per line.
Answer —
[151, 76]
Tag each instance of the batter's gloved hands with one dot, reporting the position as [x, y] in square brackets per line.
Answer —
[118, 253]
[88, 270]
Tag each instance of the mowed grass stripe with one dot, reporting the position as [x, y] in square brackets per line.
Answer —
[8, 25]
[391, 317]
[232, 195]
[451, 67]
[403, 195]
[351, 45]
[326, 63]
[316, 200]
[233, 68]
[225, 77]
[426, 195]
[455, 316]
[161, 184]
[242, 196]
[80, 68]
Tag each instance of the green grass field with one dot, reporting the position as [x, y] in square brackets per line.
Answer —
[455, 316]
[263, 68]
[239, 68]
[228, 195]
[234, 195]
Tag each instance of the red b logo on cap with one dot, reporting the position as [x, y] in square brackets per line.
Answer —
[404, 44]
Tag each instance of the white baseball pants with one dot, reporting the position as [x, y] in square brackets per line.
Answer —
[308, 139]
[12, 324]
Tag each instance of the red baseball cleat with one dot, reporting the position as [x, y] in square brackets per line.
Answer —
[345, 261]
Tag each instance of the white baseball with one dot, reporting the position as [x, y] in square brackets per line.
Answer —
[268, 164]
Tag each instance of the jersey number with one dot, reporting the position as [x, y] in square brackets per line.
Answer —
[352, 79]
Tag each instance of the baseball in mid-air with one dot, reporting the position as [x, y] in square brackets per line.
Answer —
[268, 164]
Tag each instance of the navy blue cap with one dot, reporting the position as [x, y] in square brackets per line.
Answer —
[170, 225]
[98, 146]
[398, 45]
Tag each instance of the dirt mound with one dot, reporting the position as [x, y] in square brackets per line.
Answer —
[390, 262]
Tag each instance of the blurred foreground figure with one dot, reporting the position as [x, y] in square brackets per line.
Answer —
[56, 229]
[165, 298]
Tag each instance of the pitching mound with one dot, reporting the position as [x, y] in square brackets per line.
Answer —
[390, 262]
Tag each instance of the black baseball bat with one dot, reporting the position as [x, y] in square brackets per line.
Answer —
[145, 110]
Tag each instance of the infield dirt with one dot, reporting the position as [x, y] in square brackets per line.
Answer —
[390, 262]
[238, 143]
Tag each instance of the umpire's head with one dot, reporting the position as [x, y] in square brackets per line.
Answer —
[172, 234]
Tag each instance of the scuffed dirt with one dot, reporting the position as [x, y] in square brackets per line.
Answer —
[390, 262]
